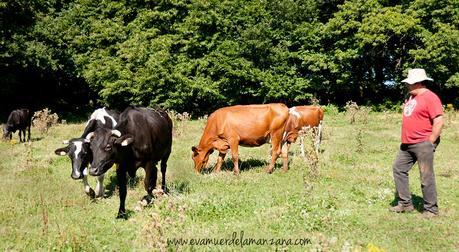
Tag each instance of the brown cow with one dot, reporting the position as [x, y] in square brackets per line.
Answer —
[246, 125]
[303, 118]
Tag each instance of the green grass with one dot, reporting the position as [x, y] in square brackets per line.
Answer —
[343, 206]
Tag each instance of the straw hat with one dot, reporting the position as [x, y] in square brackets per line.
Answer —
[416, 75]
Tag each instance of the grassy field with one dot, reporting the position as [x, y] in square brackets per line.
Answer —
[341, 206]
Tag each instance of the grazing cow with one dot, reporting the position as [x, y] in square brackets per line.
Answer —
[301, 119]
[80, 154]
[246, 125]
[141, 138]
[19, 119]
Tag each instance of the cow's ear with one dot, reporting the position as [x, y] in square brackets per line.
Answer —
[62, 151]
[125, 140]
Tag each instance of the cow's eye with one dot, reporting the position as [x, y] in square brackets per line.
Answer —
[108, 147]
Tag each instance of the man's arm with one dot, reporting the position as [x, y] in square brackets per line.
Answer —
[436, 128]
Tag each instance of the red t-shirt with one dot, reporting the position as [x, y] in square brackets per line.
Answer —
[418, 115]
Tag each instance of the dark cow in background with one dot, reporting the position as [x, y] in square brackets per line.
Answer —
[142, 138]
[19, 119]
[301, 119]
[80, 153]
[246, 125]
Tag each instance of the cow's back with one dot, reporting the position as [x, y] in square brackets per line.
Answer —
[310, 115]
[246, 121]
[151, 130]
[19, 119]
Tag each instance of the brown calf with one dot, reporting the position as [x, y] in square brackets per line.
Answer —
[303, 118]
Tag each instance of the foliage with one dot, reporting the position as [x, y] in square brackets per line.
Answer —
[198, 55]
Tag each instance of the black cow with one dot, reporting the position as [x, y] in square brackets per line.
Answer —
[142, 138]
[80, 154]
[19, 119]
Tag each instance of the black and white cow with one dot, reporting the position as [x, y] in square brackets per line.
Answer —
[101, 118]
[142, 138]
[19, 119]
[80, 154]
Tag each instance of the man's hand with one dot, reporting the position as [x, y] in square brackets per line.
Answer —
[436, 129]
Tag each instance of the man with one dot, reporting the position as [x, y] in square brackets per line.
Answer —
[421, 127]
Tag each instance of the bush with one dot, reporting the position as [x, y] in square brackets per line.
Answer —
[356, 113]
[330, 109]
[43, 120]
[388, 105]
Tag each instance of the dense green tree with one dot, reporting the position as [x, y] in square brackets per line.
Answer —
[198, 55]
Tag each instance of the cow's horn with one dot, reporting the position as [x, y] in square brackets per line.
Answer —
[116, 133]
[88, 137]
[66, 142]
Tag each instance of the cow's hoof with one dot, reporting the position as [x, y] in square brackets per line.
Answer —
[158, 192]
[122, 215]
[100, 195]
[91, 193]
[146, 200]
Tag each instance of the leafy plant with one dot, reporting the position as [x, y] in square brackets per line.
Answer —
[43, 120]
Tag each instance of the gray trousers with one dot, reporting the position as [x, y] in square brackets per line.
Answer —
[408, 154]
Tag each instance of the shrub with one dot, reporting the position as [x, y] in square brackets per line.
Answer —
[330, 109]
[356, 113]
[43, 120]
[185, 116]
[351, 110]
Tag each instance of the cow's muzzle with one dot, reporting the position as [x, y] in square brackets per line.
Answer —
[77, 176]
[101, 169]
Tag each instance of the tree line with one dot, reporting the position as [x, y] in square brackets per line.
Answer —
[198, 55]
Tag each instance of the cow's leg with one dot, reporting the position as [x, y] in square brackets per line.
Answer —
[87, 189]
[100, 190]
[234, 146]
[221, 157]
[319, 137]
[285, 148]
[163, 173]
[276, 151]
[151, 173]
[28, 130]
[122, 184]
[222, 147]
[20, 137]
